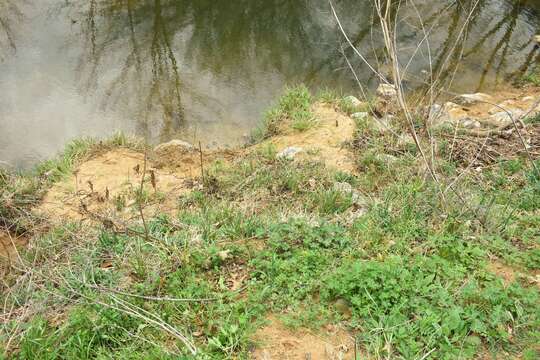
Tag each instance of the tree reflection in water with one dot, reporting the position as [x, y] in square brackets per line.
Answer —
[10, 17]
[176, 53]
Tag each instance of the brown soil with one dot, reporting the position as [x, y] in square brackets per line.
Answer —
[7, 249]
[326, 142]
[98, 184]
[507, 273]
[276, 342]
[510, 274]
[507, 98]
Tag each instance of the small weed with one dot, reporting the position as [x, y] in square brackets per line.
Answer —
[295, 106]
[532, 77]
[328, 96]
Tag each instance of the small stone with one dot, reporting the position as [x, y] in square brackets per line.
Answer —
[438, 114]
[289, 153]
[177, 146]
[386, 158]
[451, 105]
[353, 100]
[357, 198]
[406, 140]
[360, 115]
[471, 99]
[537, 38]
[383, 124]
[508, 105]
[469, 123]
[504, 117]
[224, 255]
[386, 91]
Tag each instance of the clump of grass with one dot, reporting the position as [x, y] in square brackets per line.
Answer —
[348, 107]
[532, 77]
[328, 96]
[303, 120]
[294, 105]
[532, 119]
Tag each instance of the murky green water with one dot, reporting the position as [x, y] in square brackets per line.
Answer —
[206, 69]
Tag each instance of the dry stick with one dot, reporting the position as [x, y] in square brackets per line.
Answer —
[396, 75]
[139, 202]
[381, 77]
[365, 96]
[155, 298]
[202, 166]
[469, 166]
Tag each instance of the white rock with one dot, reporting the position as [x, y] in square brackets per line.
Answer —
[386, 158]
[360, 115]
[289, 153]
[469, 123]
[178, 146]
[386, 91]
[537, 38]
[346, 188]
[406, 140]
[471, 99]
[438, 114]
[508, 105]
[353, 100]
[504, 116]
[450, 105]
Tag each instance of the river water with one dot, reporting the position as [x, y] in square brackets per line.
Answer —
[205, 70]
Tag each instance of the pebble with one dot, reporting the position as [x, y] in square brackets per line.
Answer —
[386, 91]
[289, 153]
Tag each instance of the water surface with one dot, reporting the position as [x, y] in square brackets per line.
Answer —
[206, 70]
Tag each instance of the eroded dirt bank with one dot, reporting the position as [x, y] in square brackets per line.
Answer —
[108, 188]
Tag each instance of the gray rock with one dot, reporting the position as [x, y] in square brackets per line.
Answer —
[405, 140]
[471, 99]
[353, 100]
[176, 146]
[357, 198]
[384, 123]
[386, 158]
[503, 116]
[470, 123]
[289, 153]
[386, 91]
[438, 114]
[360, 115]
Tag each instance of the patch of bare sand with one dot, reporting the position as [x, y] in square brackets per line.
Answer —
[326, 142]
[100, 183]
[507, 273]
[510, 274]
[276, 342]
[506, 98]
[9, 244]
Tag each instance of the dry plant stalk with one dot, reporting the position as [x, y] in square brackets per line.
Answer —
[140, 199]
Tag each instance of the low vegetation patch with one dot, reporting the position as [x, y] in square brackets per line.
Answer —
[293, 109]
[407, 272]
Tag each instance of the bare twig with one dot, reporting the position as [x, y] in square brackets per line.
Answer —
[154, 298]
[202, 164]
[140, 198]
